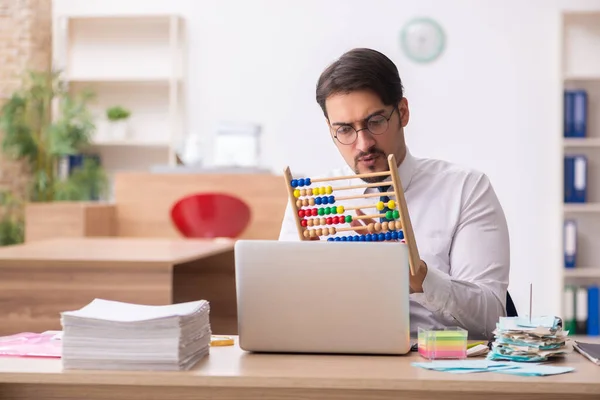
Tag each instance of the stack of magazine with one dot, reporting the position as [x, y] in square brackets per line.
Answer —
[122, 336]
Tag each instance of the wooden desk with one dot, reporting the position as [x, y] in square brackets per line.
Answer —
[229, 373]
[38, 280]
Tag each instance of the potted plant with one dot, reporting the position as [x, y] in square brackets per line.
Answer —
[118, 118]
[43, 139]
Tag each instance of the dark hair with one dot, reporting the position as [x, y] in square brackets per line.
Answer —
[361, 69]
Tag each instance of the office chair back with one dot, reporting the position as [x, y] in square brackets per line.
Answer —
[210, 215]
[511, 309]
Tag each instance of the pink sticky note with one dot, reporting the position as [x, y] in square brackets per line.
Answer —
[28, 344]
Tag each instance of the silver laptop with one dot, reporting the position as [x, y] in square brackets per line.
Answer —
[322, 297]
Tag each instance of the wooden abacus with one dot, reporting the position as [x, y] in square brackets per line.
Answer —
[306, 200]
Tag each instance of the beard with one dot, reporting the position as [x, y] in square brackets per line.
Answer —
[371, 152]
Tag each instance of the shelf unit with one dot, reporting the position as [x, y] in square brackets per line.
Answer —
[580, 69]
[135, 61]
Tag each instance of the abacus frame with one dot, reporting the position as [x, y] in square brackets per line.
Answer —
[406, 225]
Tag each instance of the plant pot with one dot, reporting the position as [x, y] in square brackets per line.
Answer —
[119, 130]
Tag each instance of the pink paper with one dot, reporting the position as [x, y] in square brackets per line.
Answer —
[28, 344]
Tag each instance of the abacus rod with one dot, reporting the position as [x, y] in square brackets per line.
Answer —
[339, 178]
[369, 216]
[361, 207]
[366, 185]
[362, 196]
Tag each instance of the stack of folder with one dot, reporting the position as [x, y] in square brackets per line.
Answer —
[122, 336]
[523, 340]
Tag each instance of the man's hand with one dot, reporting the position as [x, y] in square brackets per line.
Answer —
[361, 222]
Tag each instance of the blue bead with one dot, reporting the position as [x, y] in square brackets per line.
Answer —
[330, 239]
[301, 182]
[388, 236]
[381, 237]
[401, 235]
[395, 235]
[338, 239]
[368, 238]
[344, 238]
[318, 201]
[331, 199]
[375, 238]
[307, 181]
[325, 200]
[294, 183]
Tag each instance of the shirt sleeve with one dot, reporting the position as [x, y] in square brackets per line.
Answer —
[289, 231]
[474, 293]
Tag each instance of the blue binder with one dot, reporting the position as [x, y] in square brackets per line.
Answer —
[575, 178]
[575, 113]
[570, 243]
[593, 324]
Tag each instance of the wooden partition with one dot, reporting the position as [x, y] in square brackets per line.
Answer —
[143, 201]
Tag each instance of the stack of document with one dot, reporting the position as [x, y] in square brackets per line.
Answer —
[122, 336]
[524, 340]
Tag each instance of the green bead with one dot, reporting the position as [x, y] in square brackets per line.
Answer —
[321, 211]
[348, 218]
[389, 215]
[396, 214]
[327, 210]
[333, 210]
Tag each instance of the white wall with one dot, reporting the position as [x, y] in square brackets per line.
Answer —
[492, 101]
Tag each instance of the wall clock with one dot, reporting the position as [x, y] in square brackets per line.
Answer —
[423, 40]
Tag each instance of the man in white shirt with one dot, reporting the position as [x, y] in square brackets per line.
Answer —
[458, 222]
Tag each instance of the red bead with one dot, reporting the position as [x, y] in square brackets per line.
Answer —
[314, 212]
[328, 220]
[342, 219]
[303, 222]
[336, 220]
[301, 213]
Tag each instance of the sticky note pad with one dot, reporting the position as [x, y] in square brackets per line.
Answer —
[439, 344]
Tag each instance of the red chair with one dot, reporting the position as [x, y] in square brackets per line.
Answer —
[210, 215]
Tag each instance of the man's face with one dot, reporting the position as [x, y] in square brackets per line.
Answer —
[357, 111]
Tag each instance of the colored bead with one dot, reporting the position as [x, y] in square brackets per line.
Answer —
[294, 183]
[381, 237]
[324, 200]
[318, 201]
[331, 199]
[400, 235]
[309, 222]
[330, 240]
[332, 230]
[377, 227]
[388, 236]
[371, 227]
[396, 214]
[389, 215]
[320, 190]
[302, 192]
[325, 232]
[314, 212]
[368, 238]
[340, 209]
[391, 225]
[306, 234]
[329, 190]
[348, 218]
[384, 226]
[323, 221]
[299, 203]
[311, 201]
[362, 238]
[338, 239]
[327, 210]
[329, 220]
[301, 213]
[321, 211]
[307, 181]
[394, 235]
[305, 202]
[380, 205]
[344, 238]
[301, 182]
[319, 231]
[303, 223]
[296, 193]
[374, 237]
[313, 233]
[391, 204]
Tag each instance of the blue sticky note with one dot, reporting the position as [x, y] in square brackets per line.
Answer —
[537, 370]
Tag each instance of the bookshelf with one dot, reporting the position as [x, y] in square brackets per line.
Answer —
[580, 71]
[134, 61]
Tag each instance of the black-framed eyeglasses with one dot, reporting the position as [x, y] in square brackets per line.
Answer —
[376, 124]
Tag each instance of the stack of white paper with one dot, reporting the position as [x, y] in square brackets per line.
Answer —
[123, 336]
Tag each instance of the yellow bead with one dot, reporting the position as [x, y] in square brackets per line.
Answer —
[322, 190]
[380, 205]
[329, 190]
[297, 193]
[391, 204]
[340, 209]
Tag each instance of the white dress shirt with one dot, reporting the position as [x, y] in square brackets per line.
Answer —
[462, 236]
